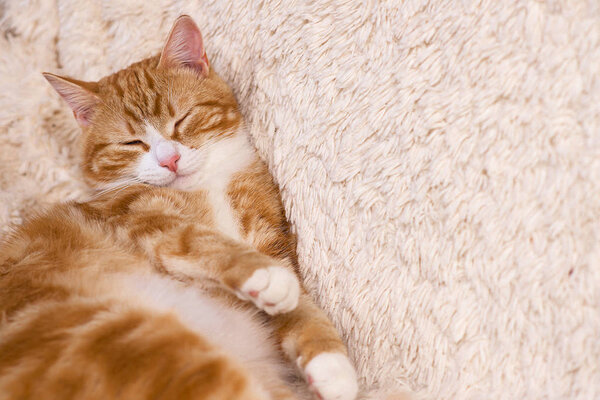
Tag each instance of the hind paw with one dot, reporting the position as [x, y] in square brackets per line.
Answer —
[331, 376]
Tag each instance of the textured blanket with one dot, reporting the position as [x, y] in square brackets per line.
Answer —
[439, 160]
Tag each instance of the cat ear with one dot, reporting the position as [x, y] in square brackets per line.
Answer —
[79, 96]
[184, 47]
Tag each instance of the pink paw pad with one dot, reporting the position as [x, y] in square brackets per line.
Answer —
[310, 381]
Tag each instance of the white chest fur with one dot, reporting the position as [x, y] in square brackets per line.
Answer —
[223, 213]
[218, 163]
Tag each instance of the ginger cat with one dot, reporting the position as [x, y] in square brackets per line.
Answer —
[179, 279]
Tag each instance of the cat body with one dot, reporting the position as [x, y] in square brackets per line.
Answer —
[178, 280]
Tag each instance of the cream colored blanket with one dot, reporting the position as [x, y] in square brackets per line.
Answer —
[440, 162]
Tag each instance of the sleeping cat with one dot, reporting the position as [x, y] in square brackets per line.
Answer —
[178, 280]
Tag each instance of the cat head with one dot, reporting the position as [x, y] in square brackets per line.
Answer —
[158, 121]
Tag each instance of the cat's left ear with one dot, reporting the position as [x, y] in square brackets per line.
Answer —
[79, 95]
[184, 47]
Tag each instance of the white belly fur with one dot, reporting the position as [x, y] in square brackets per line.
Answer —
[239, 331]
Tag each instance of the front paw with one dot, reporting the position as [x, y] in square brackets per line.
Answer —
[273, 289]
[331, 376]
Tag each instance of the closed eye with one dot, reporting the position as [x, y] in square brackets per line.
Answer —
[179, 121]
[139, 143]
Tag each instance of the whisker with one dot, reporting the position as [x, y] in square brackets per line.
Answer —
[116, 186]
[115, 193]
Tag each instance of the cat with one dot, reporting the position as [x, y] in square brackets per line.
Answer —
[179, 278]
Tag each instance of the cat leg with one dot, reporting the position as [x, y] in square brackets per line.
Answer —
[307, 336]
[309, 339]
[198, 252]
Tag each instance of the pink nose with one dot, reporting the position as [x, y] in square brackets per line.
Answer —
[170, 162]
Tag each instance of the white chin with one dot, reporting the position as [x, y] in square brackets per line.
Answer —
[162, 181]
[182, 182]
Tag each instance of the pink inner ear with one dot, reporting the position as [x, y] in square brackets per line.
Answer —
[83, 116]
[185, 47]
[82, 101]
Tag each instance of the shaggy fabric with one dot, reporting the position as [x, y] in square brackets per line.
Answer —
[440, 162]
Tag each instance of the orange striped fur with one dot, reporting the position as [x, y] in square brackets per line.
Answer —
[83, 285]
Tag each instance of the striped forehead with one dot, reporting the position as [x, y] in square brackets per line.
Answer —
[138, 92]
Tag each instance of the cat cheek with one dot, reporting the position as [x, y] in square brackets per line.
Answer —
[149, 171]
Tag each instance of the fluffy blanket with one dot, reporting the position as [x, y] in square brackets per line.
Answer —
[440, 162]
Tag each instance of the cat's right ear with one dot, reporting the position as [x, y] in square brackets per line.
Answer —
[185, 48]
[79, 96]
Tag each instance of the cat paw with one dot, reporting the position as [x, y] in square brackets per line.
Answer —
[273, 289]
[331, 376]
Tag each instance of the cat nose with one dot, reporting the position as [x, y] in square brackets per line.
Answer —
[167, 155]
[171, 162]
